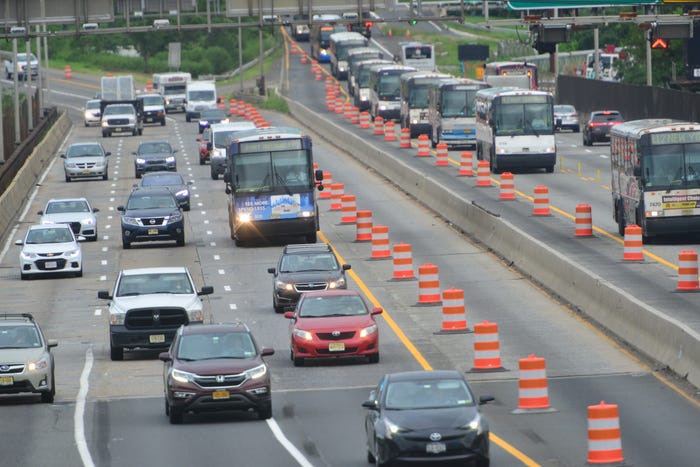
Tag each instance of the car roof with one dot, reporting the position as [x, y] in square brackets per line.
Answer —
[17, 318]
[214, 328]
[154, 270]
[60, 200]
[49, 226]
[237, 126]
[149, 190]
[331, 293]
[427, 374]
[307, 247]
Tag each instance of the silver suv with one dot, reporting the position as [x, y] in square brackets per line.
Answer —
[26, 361]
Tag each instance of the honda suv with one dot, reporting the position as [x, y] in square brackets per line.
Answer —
[152, 214]
[213, 367]
[305, 268]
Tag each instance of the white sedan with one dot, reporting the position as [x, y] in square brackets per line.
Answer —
[75, 212]
[49, 249]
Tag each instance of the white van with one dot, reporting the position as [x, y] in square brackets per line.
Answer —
[221, 134]
[201, 95]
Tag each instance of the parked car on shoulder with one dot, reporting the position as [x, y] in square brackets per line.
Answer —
[597, 128]
[50, 249]
[216, 367]
[75, 212]
[566, 117]
[151, 214]
[85, 160]
[153, 156]
[173, 181]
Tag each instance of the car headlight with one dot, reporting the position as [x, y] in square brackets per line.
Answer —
[71, 165]
[392, 428]
[28, 256]
[257, 372]
[129, 220]
[40, 364]
[476, 424]
[382, 107]
[306, 335]
[132, 121]
[105, 123]
[182, 376]
[338, 284]
[177, 217]
[282, 285]
[195, 315]
[72, 253]
[170, 159]
[182, 193]
[203, 123]
[140, 160]
[218, 153]
[87, 221]
[368, 331]
[87, 114]
[116, 318]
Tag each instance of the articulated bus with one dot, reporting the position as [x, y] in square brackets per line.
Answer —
[515, 129]
[414, 100]
[656, 176]
[451, 117]
[271, 185]
[510, 69]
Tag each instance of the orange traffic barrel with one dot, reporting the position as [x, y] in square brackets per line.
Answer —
[337, 190]
[454, 316]
[339, 104]
[347, 110]
[423, 146]
[327, 182]
[378, 126]
[633, 244]
[232, 106]
[507, 186]
[403, 261]
[355, 115]
[303, 58]
[441, 155]
[428, 285]
[67, 72]
[348, 209]
[584, 221]
[364, 119]
[541, 206]
[688, 271]
[604, 438]
[389, 131]
[405, 138]
[330, 101]
[363, 226]
[487, 348]
[149, 86]
[318, 76]
[483, 174]
[380, 242]
[466, 164]
[532, 384]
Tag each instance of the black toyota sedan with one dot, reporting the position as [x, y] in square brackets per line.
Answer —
[426, 416]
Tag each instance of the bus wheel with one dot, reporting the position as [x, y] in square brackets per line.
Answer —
[620, 219]
[549, 169]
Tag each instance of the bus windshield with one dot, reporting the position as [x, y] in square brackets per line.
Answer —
[341, 49]
[389, 87]
[266, 171]
[523, 119]
[672, 166]
[457, 103]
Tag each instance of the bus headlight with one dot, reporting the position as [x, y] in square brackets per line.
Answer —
[550, 149]
[307, 213]
[245, 217]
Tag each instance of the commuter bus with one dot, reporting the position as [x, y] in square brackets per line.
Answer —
[357, 55]
[320, 39]
[655, 168]
[512, 68]
[271, 185]
[414, 100]
[451, 111]
[385, 90]
[360, 81]
[340, 44]
[419, 55]
[515, 129]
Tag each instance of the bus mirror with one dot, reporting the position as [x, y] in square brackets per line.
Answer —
[637, 171]
[319, 175]
[320, 187]
[228, 189]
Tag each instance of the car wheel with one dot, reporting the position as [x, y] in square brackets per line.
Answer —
[79, 273]
[576, 129]
[181, 240]
[374, 358]
[105, 176]
[483, 463]
[186, 207]
[137, 174]
[176, 416]
[140, 131]
[116, 353]
[202, 161]
[549, 169]
[378, 458]
[311, 238]
[104, 134]
[167, 408]
[135, 132]
[278, 309]
[298, 361]
[162, 122]
[68, 179]
[126, 244]
[187, 118]
[370, 457]
[48, 397]
[621, 223]
[214, 175]
[93, 239]
[23, 276]
[265, 412]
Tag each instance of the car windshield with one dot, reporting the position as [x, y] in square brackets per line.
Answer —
[151, 202]
[81, 150]
[152, 100]
[19, 337]
[427, 394]
[119, 109]
[56, 207]
[314, 262]
[162, 180]
[139, 284]
[154, 148]
[336, 305]
[49, 235]
[92, 105]
[206, 346]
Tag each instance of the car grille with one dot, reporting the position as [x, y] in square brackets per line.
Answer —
[85, 165]
[41, 264]
[12, 368]
[146, 221]
[117, 121]
[327, 336]
[144, 318]
[155, 162]
[310, 286]
[328, 352]
[227, 381]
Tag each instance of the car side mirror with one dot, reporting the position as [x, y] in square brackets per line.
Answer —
[346, 267]
[108, 153]
[41, 213]
[120, 208]
[369, 405]
[318, 174]
[165, 357]
[206, 290]
[63, 156]
[95, 209]
[50, 343]
[637, 171]
[209, 146]
[266, 351]
[104, 295]
[289, 314]
[484, 399]
[19, 242]
[133, 153]
[272, 270]
[377, 311]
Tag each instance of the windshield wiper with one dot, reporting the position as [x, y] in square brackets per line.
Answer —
[281, 181]
[260, 188]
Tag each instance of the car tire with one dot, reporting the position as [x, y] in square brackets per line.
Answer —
[202, 161]
[68, 179]
[576, 129]
[278, 309]
[311, 238]
[167, 408]
[93, 239]
[48, 397]
[187, 118]
[483, 463]
[176, 416]
[374, 358]
[137, 174]
[370, 457]
[162, 122]
[180, 240]
[214, 175]
[549, 169]
[105, 176]
[187, 207]
[140, 131]
[265, 411]
[116, 354]
[298, 361]
[126, 244]
[135, 132]
[79, 273]
[23, 276]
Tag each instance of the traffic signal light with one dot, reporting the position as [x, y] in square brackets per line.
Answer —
[413, 21]
[661, 32]
[659, 43]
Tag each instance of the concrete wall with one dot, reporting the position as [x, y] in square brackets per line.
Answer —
[653, 333]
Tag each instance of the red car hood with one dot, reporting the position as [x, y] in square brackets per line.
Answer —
[334, 323]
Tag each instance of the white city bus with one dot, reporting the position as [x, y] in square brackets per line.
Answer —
[419, 55]
[515, 129]
[655, 168]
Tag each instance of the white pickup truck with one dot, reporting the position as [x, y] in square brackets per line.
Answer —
[21, 67]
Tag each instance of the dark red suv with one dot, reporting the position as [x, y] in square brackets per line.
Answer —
[215, 367]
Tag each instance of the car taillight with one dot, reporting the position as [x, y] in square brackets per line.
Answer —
[592, 124]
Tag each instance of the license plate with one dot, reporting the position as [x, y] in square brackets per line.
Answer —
[86, 171]
[149, 119]
[220, 395]
[336, 347]
[117, 130]
[6, 381]
[435, 448]
[152, 231]
[51, 265]
[156, 338]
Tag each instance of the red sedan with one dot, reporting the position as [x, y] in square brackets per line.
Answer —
[333, 323]
[204, 141]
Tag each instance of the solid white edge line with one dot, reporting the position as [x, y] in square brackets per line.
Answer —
[296, 454]
[78, 417]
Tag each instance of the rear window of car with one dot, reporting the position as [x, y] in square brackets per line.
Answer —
[606, 117]
[564, 109]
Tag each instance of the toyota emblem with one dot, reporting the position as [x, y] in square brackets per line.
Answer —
[335, 333]
[435, 436]
[156, 316]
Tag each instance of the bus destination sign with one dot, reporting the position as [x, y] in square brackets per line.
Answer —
[269, 145]
[676, 137]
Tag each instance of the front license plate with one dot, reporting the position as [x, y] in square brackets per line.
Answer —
[435, 448]
[6, 381]
[152, 231]
[217, 395]
[336, 347]
[117, 130]
[149, 119]
[156, 338]
[51, 265]
[86, 171]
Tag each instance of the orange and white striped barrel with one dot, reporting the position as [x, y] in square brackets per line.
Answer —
[149, 86]
[378, 126]
[423, 146]
[454, 316]
[327, 185]
[441, 155]
[347, 110]
[330, 101]
[348, 209]
[541, 206]
[380, 242]
[532, 385]
[354, 115]
[304, 60]
[318, 74]
[688, 271]
[364, 120]
[314, 66]
[466, 164]
[403, 261]
[584, 221]
[364, 226]
[293, 48]
[633, 250]
[604, 438]
[232, 106]
[67, 72]
[243, 109]
[428, 285]
[220, 103]
[339, 104]
[329, 82]
[507, 186]
[405, 138]
[389, 131]
[483, 174]
[337, 190]
[487, 348]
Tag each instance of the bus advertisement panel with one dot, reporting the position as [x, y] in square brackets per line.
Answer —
[515, 129]
[655, 169]
[415, 88]
[271, 185]
[451, 111]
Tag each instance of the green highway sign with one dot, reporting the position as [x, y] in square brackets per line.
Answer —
[549, 4]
